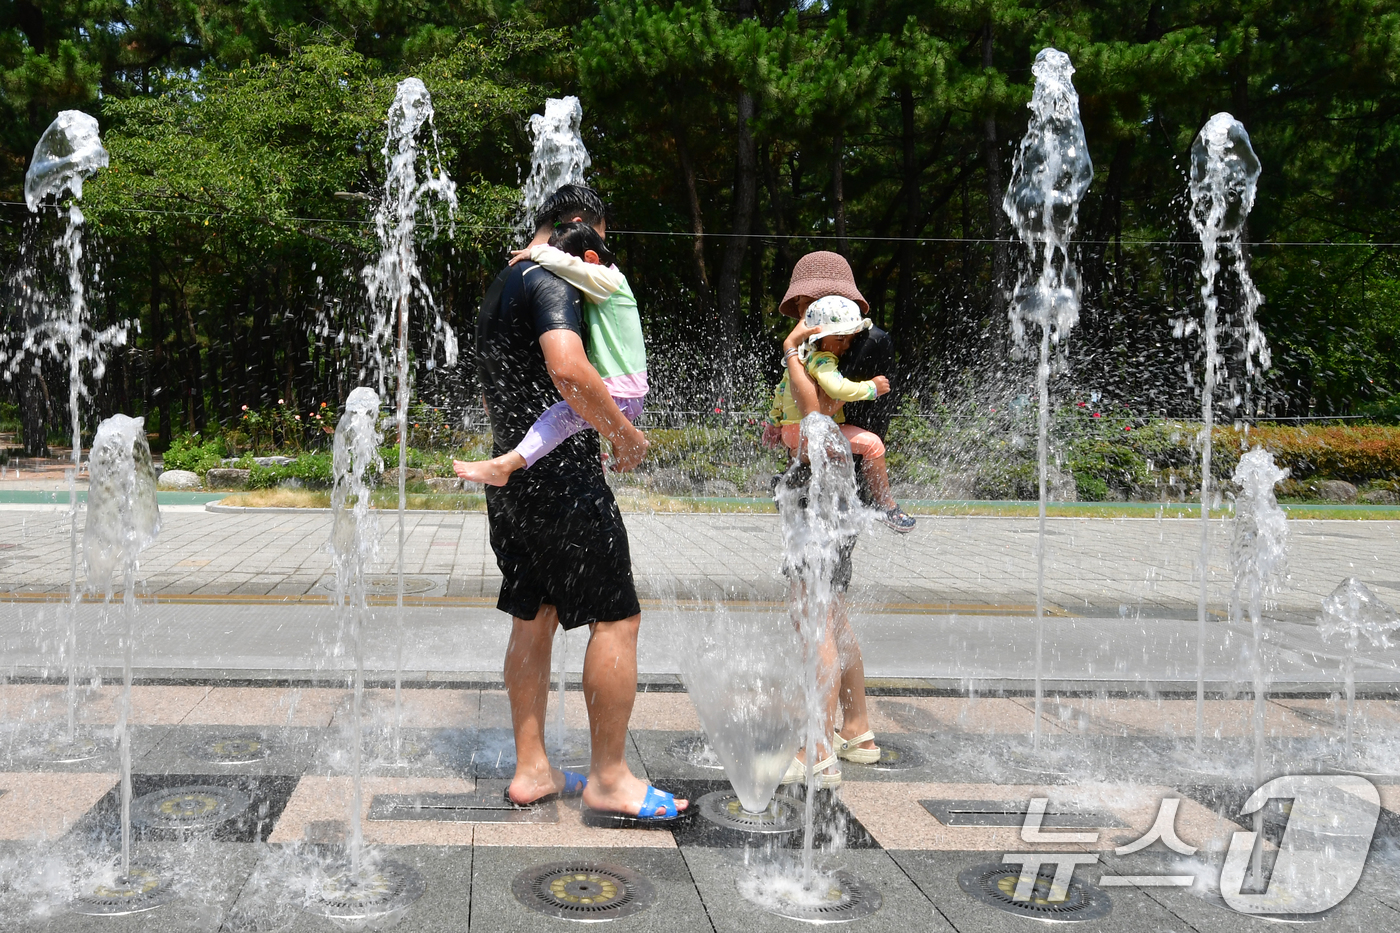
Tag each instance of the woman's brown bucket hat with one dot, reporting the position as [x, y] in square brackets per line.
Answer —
[817, 275]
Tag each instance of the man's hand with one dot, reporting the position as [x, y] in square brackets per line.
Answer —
[629, 447]
[519, 255]
[882, 386]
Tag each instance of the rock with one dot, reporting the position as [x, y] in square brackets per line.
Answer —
[1380, 497]
[719, 489]
[446, 484]
[1059, 486]
[226, 478]
[1335, 490]
[262, 461]
[391, 477]
[178, 479]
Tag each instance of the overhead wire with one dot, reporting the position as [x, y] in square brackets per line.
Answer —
[690, 234]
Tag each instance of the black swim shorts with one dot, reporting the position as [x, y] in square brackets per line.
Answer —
[561, 541]
[799, 476]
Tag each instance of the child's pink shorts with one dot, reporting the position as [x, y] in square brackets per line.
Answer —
[863, 443]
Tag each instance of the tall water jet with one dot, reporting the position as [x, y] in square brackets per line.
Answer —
[821, 518]
[1049, 176]
[1258, 557]
[1224, 175]
[393, 282]
[69, 152]
[123, 519]
[1352, 611]
[559, 157]
[354, 541]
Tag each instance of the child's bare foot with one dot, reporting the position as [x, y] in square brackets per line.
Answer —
[493, 472]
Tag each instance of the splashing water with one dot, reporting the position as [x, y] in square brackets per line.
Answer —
[821, 516]
[393, 282]
[1258, 557]
[1352, 611]
[745, 698]
[123, 519]
[559, 157]
[1051, 172]
[69, 152]
[1224, 174]
[354, 538]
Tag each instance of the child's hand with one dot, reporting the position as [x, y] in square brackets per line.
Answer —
[516, 255]
[882, 385]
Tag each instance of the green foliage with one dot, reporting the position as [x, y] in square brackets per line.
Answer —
[191, 452]
[313, 470]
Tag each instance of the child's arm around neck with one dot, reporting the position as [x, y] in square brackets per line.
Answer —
[597, 282]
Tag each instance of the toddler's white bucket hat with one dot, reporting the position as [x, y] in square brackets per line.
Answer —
[836, 316]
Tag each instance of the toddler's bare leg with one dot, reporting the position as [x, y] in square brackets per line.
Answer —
[493, 472]
[877, 477]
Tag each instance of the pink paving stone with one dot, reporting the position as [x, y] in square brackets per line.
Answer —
[976, 715]
[495, 709]
[422, 708]
[671, 712]
[893, 815]
[265, 706]
[570, 831]
[327, 799]
[1331, 714]
[1223, 718]
[38, 806]
[150, 706]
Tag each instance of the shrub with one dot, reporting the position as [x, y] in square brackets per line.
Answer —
[189, 452]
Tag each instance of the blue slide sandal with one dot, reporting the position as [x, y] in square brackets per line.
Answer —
[574, 783]
[658, 811]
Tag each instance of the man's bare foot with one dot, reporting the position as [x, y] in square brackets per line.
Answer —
[493, 472]
[623, 796]
[525, 789]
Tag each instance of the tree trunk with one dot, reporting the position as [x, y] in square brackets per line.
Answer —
[744, 192]
[777, 203]
[838, 190]
[33, 409]
[904, 289]
[697, 219]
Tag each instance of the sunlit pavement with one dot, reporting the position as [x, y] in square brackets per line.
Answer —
[236, 643]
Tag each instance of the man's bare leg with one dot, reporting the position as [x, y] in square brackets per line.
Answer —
[609, 690]
[527, 682]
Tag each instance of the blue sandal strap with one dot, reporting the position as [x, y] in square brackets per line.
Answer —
[574, 783]
[657, 803]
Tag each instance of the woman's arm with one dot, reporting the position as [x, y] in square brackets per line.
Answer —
[804, 389]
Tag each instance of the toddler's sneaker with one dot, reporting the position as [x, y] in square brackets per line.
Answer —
[896, 519]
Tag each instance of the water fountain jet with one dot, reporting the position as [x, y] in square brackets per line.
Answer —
[69, 152]
[1049, 176]
[393, 282]
[559, 157]
[1352, 610]
[1258, 555]
[123, 519]
[1224, 175]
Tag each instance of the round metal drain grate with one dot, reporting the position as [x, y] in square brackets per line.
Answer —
[62, 751]
[895, 756]
[381, 893]
[784, 815]
[846, 898]
[695, 752]
[143, 889]
[233, 749]
[188, 807]
[586, 891]
[995, 885]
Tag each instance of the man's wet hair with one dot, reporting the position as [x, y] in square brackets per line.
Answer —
[577, 238]
[568, 202]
